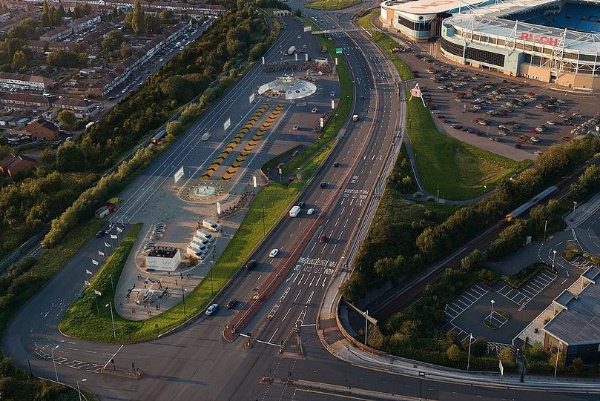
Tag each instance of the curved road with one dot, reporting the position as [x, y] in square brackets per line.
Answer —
[195, 363]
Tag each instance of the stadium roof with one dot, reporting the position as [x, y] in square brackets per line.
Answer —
[493, 26]
[424, 7]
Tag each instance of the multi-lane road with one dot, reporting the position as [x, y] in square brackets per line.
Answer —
[196, 363]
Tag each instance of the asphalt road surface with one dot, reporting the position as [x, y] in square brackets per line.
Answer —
[196, 363]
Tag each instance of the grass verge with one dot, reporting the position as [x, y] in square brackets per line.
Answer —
[458, 170]
[330, 4]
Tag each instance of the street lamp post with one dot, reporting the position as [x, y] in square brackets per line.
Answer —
[54, 363]
[492, 312]
[78, 389]
[553, 259]
[112, 319]
[574, 206]
[557, 355]
[263, 219]
[469, 357]
[366, 326]
[183, 296]
[545, 227]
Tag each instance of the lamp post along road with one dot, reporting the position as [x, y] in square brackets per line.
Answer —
[492, 312]
[553, 259]
[557, 355]
[78, 389]
[574, 206]
[112, 319]
[54, 363]
[469, 357]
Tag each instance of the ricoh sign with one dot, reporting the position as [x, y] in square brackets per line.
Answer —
[541, 39]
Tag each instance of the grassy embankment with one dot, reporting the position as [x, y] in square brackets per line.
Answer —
[457, 169]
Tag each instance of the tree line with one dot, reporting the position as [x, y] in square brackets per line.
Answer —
[407, 238]
[207, 68]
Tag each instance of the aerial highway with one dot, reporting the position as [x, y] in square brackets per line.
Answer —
[196, 362]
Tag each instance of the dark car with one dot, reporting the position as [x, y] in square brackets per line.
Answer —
[231, 304]
[336, 164]
[100, 233]
[301, 204]
[250, 265]
[323, 239]
[323, 184]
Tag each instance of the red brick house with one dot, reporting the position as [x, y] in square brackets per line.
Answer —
[12, 164]
[42, 130]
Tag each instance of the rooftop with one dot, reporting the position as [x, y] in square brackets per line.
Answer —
[579, 322]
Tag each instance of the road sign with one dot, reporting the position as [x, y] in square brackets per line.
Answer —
[338, 50]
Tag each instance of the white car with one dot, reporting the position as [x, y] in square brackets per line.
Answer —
[310, 211]
[210, 310]
[273, 253]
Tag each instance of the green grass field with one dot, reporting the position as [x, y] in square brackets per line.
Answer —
[458, 170]
[330, 4]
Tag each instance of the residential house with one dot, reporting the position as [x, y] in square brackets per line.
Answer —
[12, 82]
[82, 108]
[42, 130]
[24, 102]
[12, 164]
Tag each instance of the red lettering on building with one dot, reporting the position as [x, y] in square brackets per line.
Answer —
[544, 40]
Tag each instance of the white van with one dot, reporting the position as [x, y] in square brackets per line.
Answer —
[210, 225]
[205, 234]
[201, 240]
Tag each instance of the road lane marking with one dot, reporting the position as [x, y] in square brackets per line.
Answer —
[275, 332]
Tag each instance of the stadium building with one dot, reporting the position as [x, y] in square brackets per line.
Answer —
[546, 40]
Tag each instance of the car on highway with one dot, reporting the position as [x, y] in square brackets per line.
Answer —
[323, 184]
[100, 233]
[323, 239]
[211, 309]
[250, 264]
[273, 253]
[232, 304]
[310, 211]
[336, 164]
[301, 204]
[314, 110]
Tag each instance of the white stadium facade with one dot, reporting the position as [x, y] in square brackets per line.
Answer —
[546, 40]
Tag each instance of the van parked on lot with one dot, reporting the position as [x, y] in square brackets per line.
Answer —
[205, 234]
[210, 225]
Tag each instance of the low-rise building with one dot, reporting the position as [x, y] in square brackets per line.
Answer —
[13, 164]
[574, 331]
[10, 81]
[42, 130]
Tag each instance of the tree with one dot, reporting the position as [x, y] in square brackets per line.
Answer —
[578, 365]
[70, 158]
[126, 50]
[113, 40]
[506, 357]
[19, 60]
[67, 118]
[137, 20]
[45, 16]
[167, 17]
[453, 353]
[152, 23]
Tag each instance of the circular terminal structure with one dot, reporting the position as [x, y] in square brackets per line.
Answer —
[287, 87]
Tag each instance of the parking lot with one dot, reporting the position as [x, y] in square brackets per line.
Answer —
[514, 117]
[466, 313]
